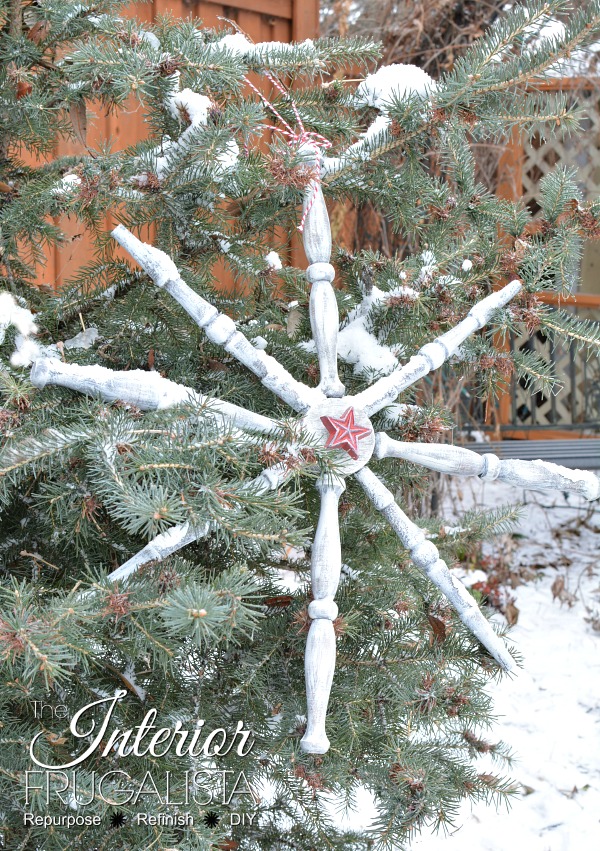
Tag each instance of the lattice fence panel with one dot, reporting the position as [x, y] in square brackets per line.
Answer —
[577, 403]
[582, 150]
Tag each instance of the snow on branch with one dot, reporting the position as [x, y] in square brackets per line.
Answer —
[26, 348]
[263, 51]
[219, 328]
[433, 355]
[357, 342]
[457, 461]
[390, 83]
[192, 109]
[393, 82]
[148, 391]
[426, 557]
[12, 313]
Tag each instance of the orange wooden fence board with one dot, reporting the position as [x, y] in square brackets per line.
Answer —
[262, 20]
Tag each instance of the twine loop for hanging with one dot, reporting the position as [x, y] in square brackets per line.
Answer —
[298, 137]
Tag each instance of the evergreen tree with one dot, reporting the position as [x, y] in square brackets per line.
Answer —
[146, 522]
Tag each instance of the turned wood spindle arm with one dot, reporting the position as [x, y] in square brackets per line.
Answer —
[177, 537]
[148, 391]
[218, 327]
[426, 557]
[324, 314]
[459, 461]
[432, 355]
[320, 651]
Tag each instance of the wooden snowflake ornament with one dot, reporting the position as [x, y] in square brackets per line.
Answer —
[337, 421]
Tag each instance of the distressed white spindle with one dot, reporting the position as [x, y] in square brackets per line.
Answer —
[324, 314]
[319, 660]
[148, 391]
[218, 327]
[427, 558]
[432, 355]
[459, 461]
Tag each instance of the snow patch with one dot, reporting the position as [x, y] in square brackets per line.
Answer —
[26, 351]
[150, 39]
[469, 577]
[66, 185]
[227, 160]
[239, 45]
[129, 674]
[428, 268]
[235, 43]
[191, 106]
[13, 314]
[393, 414]
[83, 340]
[273, 261]
[454, 530]
[358, 345]
[360, 149]
[393, 82]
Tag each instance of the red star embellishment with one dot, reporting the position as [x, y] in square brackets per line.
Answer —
[344, 433]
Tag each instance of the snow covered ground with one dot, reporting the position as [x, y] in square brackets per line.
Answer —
[549, 713]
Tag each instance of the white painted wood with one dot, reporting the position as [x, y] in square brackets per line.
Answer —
[437, 456]
[319, 664]
[459, 461]
[219, 328]
[317, 230]
[426, 557]
[325, 321]
[324, 314]
[542, 475]
[432, 355]
[158, 549]
[148, 391]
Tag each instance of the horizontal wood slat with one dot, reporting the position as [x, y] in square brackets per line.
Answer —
[276, 8]
[576, 453]
[581, 299]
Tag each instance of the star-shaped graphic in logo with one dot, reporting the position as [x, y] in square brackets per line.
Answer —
[118, 819]
[344, 433]
[211, 819]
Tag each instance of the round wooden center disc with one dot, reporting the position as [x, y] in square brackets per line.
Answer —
[336, 423]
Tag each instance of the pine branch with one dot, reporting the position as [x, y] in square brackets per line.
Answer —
[583, 333]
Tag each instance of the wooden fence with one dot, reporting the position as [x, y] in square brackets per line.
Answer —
[262, 20]
[575, 409]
